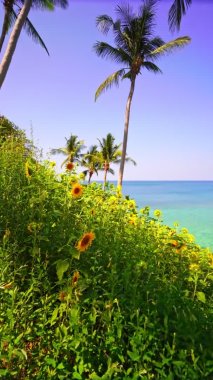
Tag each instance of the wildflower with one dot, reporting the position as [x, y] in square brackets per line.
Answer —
[33, 227]
[70, 166]
[112, 199]
[131, 204]
[157, 213]
[82, 176]
[145, 210]
[75, 278]
[77, 190]
[85, 241]
[132, 220]
[181, 248]
[119, 191]
[194, 267]
[174, 243]
[62, 296]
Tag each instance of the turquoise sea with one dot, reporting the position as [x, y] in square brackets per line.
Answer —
[190, 203]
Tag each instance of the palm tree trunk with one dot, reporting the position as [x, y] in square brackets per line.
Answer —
[126, 128]
[4, 66]
[105, 176]
[90, 176]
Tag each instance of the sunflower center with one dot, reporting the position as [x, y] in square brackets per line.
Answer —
[85, 240]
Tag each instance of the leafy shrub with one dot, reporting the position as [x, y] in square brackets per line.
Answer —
[93, 288]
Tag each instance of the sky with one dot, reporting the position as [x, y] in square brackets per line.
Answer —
[171, 124]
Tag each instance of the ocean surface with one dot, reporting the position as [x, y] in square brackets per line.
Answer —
[188, 203]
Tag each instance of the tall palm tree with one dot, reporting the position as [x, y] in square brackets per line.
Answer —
[72, 150]
[92, 162]
[136, 49]
[21, 21]
[111, 154]
[177, 11]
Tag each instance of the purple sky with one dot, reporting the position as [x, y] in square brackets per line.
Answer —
[171, 126]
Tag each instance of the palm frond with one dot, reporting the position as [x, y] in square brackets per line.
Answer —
[125, 14]
[111, 171]
[104, 50]
[170, 46]
[176, 12]
[59, 151]
[49, 4]
[113, 79]
[155, 43]
[129, 159]
[7, 22]
[150, 66]
[146, 18]
[104, 23]
[67, 159]
[32, 32]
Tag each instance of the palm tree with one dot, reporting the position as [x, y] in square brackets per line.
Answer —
[177, 11]
[21, 21]
[92, 162]
[111, 154]
[72, 150]
[135, 48]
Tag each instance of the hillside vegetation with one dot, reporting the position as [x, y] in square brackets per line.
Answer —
[93, 288]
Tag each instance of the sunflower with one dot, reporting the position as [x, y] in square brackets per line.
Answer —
[85, 241]
[77, 190]
[62, 296]
[75, 277]
[174, 243]
[70, 166]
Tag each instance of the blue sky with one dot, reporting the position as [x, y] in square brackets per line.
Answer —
[171, 126]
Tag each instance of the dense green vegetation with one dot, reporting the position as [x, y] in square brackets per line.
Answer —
[91, 287]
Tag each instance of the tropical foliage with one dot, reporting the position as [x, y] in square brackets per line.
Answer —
[16, 15]
[72, 150]
[93, 288]
[10, 130]
[94, 159]
[177, 11]
[111, 154]
[136, 48]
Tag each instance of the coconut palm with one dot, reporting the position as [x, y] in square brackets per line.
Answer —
[135, 49]
[177, 11]
[72, 150]
[21, 21]
[111, 154]
[92, 161]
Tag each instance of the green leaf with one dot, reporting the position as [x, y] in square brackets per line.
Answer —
[77, 376]
[201, 297]
[50, 361]
[61, 268]
[60, 366]
[134, 355]
[18, 338]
